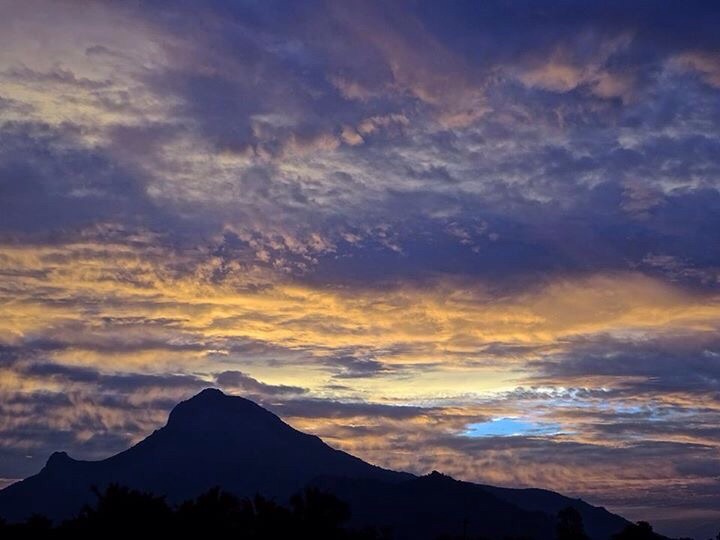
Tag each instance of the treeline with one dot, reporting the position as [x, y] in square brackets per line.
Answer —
[569, 526]
[311, 514]
[131, 514]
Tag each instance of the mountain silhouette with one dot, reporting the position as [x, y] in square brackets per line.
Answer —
[214, 439]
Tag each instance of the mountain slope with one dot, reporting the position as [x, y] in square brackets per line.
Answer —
[598, 522]
[439, 503]
[217, 440]
[435, 505]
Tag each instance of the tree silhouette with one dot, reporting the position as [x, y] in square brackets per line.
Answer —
[641, 530]
[123, 512]
[570, 525]
[321, 514]
[214, 512]
[311, 514]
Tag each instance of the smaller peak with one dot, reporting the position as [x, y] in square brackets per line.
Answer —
[436, 475]
[58, 458]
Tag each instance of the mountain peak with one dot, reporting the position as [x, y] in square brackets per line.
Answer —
[212, 410]
[209, 394]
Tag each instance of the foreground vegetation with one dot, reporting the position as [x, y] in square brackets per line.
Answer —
[311, 514]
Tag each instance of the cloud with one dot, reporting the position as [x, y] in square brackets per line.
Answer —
[705, 63]
[238, 381]
[643, 368]
[570, 67]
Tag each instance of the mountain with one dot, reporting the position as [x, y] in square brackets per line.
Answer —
[217, 440]
[210, 440]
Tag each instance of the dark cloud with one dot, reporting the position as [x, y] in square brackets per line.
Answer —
[579, 201]
[319, 408]
[49, 181]
[682, 365]
[242, 383]
[348, 366]
[121, 382]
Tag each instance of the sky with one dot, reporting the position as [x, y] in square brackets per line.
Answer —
[473, 236]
